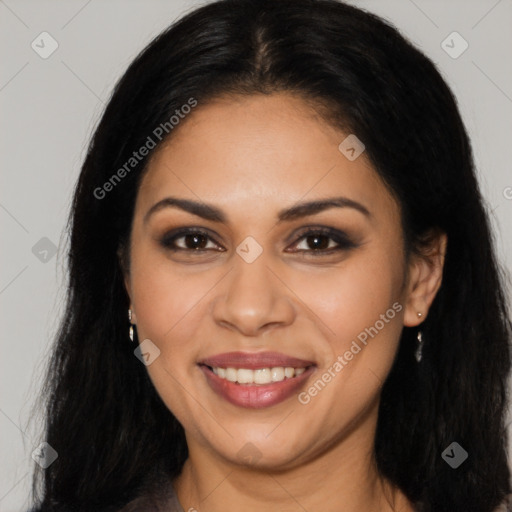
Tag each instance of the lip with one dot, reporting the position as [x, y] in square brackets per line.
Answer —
[255, 396]
[254, 360]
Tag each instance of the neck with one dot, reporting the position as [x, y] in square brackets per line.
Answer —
[343, 476]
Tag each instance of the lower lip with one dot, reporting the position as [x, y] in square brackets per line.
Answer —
[255, 396]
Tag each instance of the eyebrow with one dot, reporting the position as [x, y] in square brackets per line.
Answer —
[212, 213]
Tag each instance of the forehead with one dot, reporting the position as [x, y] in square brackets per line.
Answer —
[250, 151]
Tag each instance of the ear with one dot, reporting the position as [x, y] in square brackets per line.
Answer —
[425, 274]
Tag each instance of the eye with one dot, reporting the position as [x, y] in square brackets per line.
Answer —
[190, 240]
[319, 241]
[323, 241]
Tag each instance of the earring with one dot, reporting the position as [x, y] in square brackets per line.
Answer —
[419, 314]
[419, 349]
[130, 331]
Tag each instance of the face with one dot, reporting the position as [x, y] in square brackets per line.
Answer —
[268, 269]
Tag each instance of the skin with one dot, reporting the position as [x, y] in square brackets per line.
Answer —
[251, 157]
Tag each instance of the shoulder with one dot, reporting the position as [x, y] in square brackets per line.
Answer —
[506, 505]
[159, 499]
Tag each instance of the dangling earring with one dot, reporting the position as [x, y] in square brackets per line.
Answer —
[130, 332]
[419, 349]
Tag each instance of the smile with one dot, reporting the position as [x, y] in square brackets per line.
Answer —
[259, 376]
[255, 380]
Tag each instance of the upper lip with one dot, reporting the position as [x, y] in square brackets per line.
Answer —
[254, 360]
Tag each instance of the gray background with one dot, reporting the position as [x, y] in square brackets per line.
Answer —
[49, 110]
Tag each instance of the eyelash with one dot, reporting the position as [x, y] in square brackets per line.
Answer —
[340, 238]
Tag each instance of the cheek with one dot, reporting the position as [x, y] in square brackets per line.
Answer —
[353, 298]
[360, 305]
[168, 304]
[171, 303]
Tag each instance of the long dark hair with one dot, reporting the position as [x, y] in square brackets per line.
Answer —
[111, 430]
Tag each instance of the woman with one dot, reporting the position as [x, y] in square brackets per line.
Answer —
[283, 291]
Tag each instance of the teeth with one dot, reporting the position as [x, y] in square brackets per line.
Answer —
[231, 374]
[277, 374]
[262, 376]
[245, 376]
[259, 376]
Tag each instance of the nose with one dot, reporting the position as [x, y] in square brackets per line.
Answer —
[253, 299]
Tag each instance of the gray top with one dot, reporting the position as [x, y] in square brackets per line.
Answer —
[165, 501]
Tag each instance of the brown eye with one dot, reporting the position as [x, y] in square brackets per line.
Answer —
[323, 241]
[189, 240]
[196, 241]
[318, 242]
